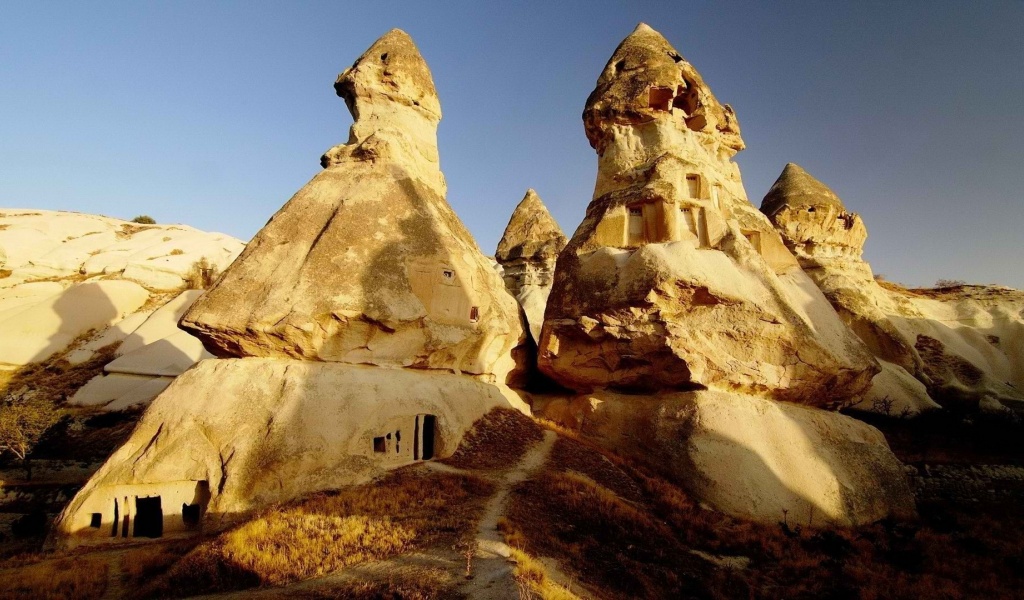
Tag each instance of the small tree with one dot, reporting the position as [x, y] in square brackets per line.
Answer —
[948, 283]
[144, 220]
[22, 424]
[202, 275]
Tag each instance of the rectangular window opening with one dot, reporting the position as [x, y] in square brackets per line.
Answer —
[97, 520]
[380, 445]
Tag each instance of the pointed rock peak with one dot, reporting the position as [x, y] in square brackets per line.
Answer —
[531, 232]
[392, 70]
[647, 79]
[796, 188]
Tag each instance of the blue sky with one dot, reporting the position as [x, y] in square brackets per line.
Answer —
[214, 113]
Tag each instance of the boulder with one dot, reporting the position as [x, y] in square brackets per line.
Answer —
[674, 280]
[368, 263]
[750, 457]
[232, 436]
[527, 253]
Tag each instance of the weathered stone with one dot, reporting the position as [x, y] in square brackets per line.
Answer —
[237, 435]
[673, 280]
[750, 457]
[934, 345]
[368, 263]
[527, 253]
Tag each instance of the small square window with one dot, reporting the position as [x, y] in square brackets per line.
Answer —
[97, 520]
[380, 445]
[474, 314]
[448, 274]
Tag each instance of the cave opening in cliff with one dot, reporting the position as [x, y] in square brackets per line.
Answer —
[149, 517]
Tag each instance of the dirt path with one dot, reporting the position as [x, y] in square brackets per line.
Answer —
[492, 571]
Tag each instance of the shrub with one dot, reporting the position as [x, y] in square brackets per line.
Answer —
[202, 275]
[144, 220]
[23, 423]
[950, 283]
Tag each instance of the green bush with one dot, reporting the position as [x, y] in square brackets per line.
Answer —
[144, 220]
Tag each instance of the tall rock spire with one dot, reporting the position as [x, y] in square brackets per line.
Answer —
[527, 253]
[674, 280]
[368, 263]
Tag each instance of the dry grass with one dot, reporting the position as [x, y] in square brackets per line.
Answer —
[140, 565]
[407, 509]
[425, 584]
[533, 580]
[620, 529]
[498, 439]
[5, 273]
[56, 379]
[79, 579]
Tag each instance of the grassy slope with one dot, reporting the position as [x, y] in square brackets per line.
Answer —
[614, 531]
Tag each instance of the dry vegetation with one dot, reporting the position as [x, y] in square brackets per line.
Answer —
[65, 579]
[56, 379]
[587, 515]
[407, 509]
[497, 440]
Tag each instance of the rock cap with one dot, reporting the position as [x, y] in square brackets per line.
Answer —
[645, 79]
[392, 69]
[796, 188]
[531, 232]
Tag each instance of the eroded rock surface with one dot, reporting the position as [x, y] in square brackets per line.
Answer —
[527, 253]
[956, 345]
[368, 263]
[73, 283]
[673, 280]
[751, 457]
[236, 435]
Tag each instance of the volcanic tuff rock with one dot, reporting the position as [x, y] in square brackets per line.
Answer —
[236, 435]
[673, 280]
[73, 283]
[527, 253]
[962, 344]
[368, 263]
[748, 456]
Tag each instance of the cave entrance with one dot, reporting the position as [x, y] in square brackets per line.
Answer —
[423, 444]
[149, 517]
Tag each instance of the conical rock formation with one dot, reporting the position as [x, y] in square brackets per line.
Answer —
[678, 292]
[673, 280]
[812, 220]
[949, 348]
[527, 253]
[368, 263]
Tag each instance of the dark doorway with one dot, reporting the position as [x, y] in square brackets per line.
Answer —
[117, 518]
[190, 515]
[149, 517]
[97, 520]
[427, 432]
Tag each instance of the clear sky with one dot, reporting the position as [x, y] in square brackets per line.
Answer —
[214, 113]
